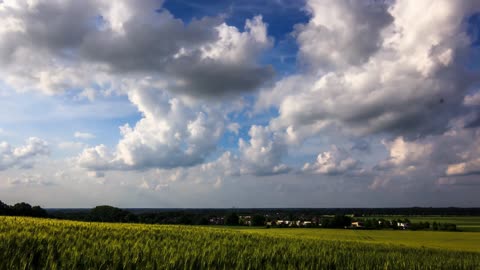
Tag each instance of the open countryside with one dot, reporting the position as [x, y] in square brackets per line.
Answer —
[33, 243]
[465, 224]
[460, 241]
[239, 134]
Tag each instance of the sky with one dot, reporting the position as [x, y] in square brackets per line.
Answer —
[219, 104]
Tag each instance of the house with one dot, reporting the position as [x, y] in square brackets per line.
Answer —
[245, 220]
[358, 224]
[216, 221]
[307, 224]
[403, 225]
[283, 222]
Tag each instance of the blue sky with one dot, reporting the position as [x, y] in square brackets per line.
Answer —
[275, 103]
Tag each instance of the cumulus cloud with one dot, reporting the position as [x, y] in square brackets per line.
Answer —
[334, 162]
[450, 158]
[464, 168]
[263, 153]
[327, 41]
[234, 127]
[96, 158]
[464, 152]
[139, 49]
[472, 100]
[404, 154]
[55, 46]
[171, 134]
[407, 76]
[376, 68]
[22, 156]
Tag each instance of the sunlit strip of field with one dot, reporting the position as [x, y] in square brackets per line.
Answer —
[461, 241]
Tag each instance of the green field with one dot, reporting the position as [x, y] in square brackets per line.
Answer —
[465, 241]
[467, 224]
[29, 243]
[464, 223]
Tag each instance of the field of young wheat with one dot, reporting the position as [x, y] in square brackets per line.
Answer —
[29, 243]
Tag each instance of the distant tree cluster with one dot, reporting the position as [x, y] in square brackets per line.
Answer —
[22, 209]
[437, 226]
[106, 213]
[339, 221]
[291, 218]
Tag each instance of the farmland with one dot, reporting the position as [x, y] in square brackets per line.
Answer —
[27, 243]
[467, 224]
[465, 241]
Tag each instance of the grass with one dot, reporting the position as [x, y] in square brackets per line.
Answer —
[464, 223]
[463, 241]
[29, 243]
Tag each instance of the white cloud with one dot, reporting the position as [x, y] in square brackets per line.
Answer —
[406, 154]
[88, 93]
[342, 33]
[407, 77]
[263, 154]
[464, 168]
[22, 156]
[59, 46]
[389, 69]
[96, 158]
[472, 100]
[334, 162]
[171, 134]
[232, 127]
[83, 135]
[463, 147]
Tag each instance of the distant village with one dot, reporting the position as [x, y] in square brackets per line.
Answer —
[365, 219]
[336, 221]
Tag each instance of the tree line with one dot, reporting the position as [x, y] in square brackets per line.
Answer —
[22, 209]
[234, 217]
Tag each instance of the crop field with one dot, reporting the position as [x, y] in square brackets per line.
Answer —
[455, 241]
[29, 243]
[464, 223]
[467, 224]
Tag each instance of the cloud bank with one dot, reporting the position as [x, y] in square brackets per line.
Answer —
[383, 97]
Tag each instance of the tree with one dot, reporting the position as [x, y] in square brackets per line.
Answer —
[22, 209]
[202, 221]
[106, 213]
[186, 219]
[232, 219]
[258, 220]
[4, 208]
[37, 211]
[341, 221]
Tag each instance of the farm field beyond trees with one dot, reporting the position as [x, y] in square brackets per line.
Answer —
[30, 243]
[464, 223]
[464, 241]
